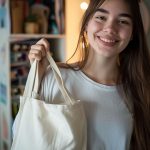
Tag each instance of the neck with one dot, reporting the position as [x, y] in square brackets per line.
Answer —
[102, 70]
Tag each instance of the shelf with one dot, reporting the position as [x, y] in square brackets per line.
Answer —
[17, 64]
[16, 37]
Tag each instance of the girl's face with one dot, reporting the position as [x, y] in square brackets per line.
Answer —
[110, 29]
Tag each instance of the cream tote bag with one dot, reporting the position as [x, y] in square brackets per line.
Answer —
[44, 126]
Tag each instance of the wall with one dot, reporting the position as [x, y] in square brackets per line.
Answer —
[73, 19]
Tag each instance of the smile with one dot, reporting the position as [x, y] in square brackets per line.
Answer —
[106, 41]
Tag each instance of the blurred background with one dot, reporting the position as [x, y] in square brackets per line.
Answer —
[22, 23]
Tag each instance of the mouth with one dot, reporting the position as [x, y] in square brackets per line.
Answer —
[107, 41]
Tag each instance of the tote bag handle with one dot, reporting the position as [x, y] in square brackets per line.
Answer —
[32, 84]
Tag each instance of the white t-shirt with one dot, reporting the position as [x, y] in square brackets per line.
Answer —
[108, 119]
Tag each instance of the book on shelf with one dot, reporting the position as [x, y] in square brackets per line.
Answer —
[18, 12]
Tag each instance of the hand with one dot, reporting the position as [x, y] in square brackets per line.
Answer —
[38, 52]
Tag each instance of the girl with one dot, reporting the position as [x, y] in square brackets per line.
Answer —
[112, 78]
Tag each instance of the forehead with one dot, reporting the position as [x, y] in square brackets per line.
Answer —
[118, 6]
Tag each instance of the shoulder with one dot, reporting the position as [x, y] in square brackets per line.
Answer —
[73, 66]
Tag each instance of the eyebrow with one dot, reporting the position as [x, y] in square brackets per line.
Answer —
[107, 12]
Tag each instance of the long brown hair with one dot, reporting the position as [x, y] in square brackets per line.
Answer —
[134, 72]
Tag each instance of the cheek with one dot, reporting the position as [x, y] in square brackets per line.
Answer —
[127, 37]
[93, 27]
[127, 34]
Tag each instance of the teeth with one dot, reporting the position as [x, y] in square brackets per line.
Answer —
[107, 40]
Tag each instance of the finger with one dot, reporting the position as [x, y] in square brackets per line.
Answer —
[45, 43]
[33, 56]
[38, 49]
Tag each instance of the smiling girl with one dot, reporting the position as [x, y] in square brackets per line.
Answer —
[112, 78]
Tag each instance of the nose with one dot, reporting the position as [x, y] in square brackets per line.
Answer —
[110, 27]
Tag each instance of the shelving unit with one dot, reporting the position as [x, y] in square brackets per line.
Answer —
[22, 38]
[19, 68]
[18, 45]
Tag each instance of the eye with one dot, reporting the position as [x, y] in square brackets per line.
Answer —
[123, 22]
[101, 18]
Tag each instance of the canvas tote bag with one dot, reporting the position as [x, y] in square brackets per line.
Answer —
[44, 126]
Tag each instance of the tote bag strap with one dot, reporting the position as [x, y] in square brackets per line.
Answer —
[32, 84]
[59, 80]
